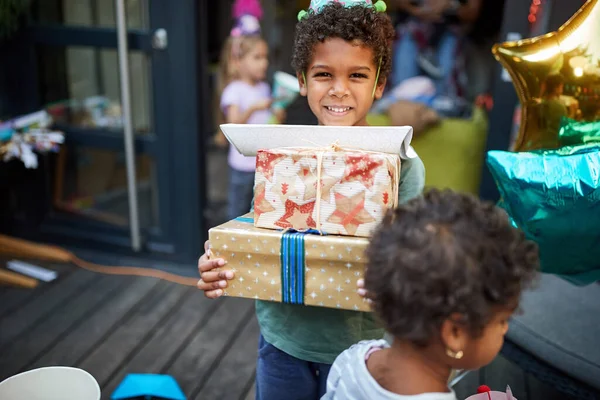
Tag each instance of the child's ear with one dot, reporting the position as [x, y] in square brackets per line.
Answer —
[379, 88]
[454, 335]
[302, 83]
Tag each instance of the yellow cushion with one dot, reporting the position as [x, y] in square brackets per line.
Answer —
[453, 151]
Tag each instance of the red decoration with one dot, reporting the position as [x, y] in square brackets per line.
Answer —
[350, 212]
[297, 216]
[265, 163]
[261, 205]
[361, 168]
[485, 389]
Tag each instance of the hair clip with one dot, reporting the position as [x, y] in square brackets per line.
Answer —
[379, 6]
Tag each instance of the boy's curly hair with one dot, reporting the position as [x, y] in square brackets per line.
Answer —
[357, 23]
[445, 253]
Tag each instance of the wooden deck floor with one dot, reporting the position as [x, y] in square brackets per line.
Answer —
[111, 326]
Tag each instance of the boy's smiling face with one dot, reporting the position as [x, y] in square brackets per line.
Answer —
[339, 82]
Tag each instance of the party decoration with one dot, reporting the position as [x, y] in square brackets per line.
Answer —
[247, 7]
[247, 15]
[485, 393]
[285, 89]
[291, 267]
[575, 132]
[555, 75]
[554, 197]
[332, 190]
[21, 138]
[317, 5]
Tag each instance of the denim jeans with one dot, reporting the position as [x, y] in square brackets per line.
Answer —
[280, 376]
[406, 66]
[241, 192]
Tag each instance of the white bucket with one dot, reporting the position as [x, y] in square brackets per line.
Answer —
[51, 383]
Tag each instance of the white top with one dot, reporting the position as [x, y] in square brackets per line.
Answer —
[349, 378]
[244, 95]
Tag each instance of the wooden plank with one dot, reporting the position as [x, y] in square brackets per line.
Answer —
[15, 298]
[29, 346]
[231, 375]
[199, 357]
[129, 337]
[75, 346]
[40, 309]
[159, 353]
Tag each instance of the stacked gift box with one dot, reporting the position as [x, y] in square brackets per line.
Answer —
[314, 210]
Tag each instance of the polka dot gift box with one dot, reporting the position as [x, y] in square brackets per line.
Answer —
[291, 267]
[332, 190]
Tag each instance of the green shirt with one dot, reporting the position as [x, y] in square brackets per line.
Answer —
[318, 334]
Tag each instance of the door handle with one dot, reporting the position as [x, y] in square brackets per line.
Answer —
[160, 39]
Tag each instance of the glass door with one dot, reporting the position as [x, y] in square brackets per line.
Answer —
[122, 79]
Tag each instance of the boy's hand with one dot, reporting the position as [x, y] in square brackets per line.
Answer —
[362, 292]
[212, 282]
[262, 105]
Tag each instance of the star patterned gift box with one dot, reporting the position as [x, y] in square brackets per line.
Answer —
[291, 267]
[332, 190]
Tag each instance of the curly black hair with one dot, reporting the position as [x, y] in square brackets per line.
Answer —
[357, 23]
[445, 253]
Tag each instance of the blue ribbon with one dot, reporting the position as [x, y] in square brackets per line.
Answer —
[293, 263]
[292, 268]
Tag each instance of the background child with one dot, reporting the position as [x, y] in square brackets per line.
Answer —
[446, 273]
[342, 56]
[245, 98]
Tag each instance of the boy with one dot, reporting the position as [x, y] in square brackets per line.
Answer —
[342, 57]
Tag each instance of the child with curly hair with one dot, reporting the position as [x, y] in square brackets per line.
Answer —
[342, 57]
[446, 272]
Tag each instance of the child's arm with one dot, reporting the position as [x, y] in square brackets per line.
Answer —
[235, 116]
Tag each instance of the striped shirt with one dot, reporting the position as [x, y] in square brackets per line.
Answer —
[349, 378]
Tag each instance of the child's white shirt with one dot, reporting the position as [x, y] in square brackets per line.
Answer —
[349, 378]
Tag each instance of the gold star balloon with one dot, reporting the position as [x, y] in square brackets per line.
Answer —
[557, 78]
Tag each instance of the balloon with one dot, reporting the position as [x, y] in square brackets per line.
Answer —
[556, 76]
[554, 197]
[575, 132]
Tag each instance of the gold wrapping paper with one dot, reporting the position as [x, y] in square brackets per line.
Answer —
[333, 190]
[332, 264]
